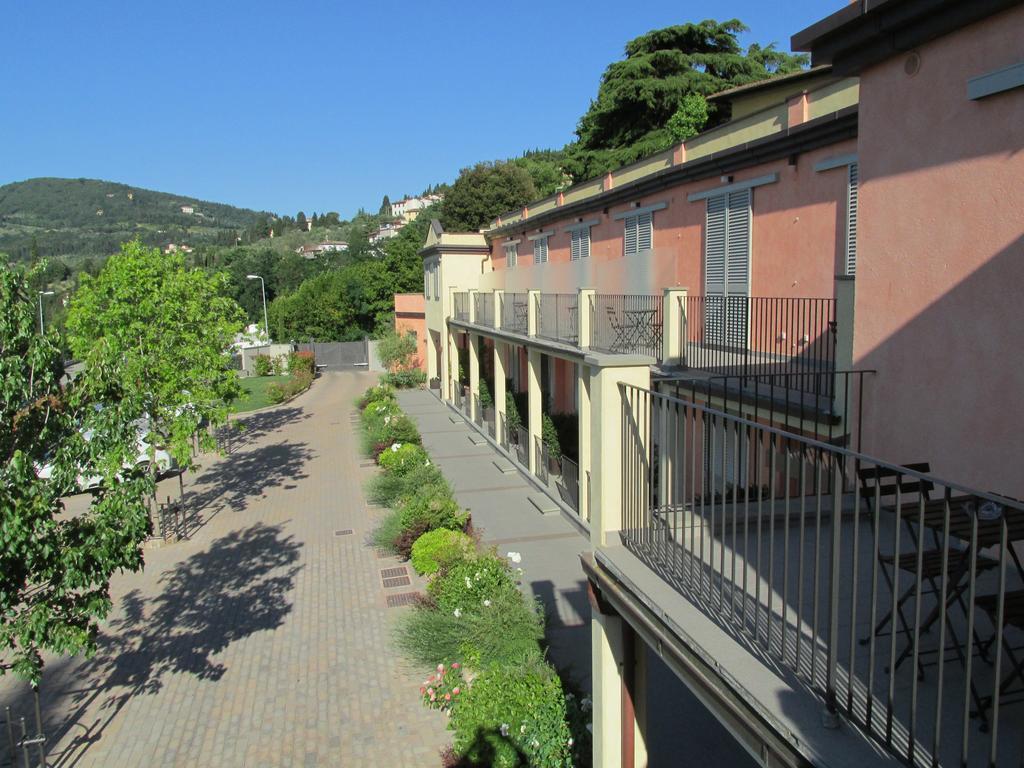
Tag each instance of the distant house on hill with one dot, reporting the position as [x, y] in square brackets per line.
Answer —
[409, 208]
[312, 251]
[174, 248]
[385, 232]
[188, 209]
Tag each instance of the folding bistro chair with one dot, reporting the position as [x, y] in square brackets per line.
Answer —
[1013, 616]
[884, 485]
[621, 342]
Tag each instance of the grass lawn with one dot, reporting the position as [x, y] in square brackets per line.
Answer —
[254, 392]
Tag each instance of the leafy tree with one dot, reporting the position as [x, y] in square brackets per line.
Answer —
[385, 206]
[396, 350]
[483, 192]
[166, 330]
[55, 568]
[689, 119]
[300, 220]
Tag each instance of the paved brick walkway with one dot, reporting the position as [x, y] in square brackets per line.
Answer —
[264, 640]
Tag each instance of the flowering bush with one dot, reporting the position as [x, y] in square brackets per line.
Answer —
[402, 458]
[380, 393]
[512, 710]
[440, 548]
[293, 385]
[473, 585]
[302, 361]
[442, 689]
[261, 365]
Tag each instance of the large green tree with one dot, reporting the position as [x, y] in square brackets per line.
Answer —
[166, 329]
[483, 192]
[55, 567]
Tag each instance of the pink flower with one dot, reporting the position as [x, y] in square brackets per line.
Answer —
[430, 691]
[440, 667]
[447, 697]
[432, 697]
[422, 690]
[455, 665]
[455, 691]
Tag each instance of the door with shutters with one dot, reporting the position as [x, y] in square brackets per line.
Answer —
[727, 270]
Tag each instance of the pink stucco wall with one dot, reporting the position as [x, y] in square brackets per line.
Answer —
[797, 237]
[410, 317]
[941, 259]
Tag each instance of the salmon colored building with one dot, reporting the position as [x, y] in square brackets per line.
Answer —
[410, 318]
[773, 373]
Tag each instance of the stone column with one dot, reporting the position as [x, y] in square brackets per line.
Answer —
[499, 299]
[501, 349]
[532, 312]
[533, 420]
[474, 374]
[606, 676]
[583, 410]
[845, 287]
[583, 317]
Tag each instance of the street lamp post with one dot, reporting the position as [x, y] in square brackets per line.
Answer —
[263, 290]
[41, 294]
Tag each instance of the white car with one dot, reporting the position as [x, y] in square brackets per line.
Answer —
[163, 460]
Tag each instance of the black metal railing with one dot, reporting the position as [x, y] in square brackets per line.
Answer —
[559, 317]
[478, 413]
[757, 335]
[484, 309]
[561, 475]
[515, 312]
[461, 305]
[503, 438]
[466, 402]
[490, 415]
[827, 406]
[521, 442]
[886, 591]
[627, 324]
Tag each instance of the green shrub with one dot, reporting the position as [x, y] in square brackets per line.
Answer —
[378, 393]
[407, 379]
[512, 418]
[510, 631]
[302, 361]
[511, 712]
[549, 436]
[387, 488]
[486, 401]
[386, 534]
[383, 425]
[440, 548]
[261, 365]
[402, 458]
[470, 585]
[293, 385]
[442, 689]
[433, 505]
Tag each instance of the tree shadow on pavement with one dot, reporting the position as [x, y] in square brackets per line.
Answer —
[231, 483]
[247, 428]
[238, 586]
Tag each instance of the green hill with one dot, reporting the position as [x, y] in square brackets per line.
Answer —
[89, 217]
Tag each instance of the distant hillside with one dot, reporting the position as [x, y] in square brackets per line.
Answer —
[88, 217]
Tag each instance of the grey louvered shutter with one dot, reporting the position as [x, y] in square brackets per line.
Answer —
[851, 220]
[574, 244]
[737, 268]
[714, 271]
[630, 236]
[585, 243]
[644, 234]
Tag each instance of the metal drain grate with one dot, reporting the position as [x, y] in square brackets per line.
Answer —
[390, 573]
[402, 598]
[344, 532]
[398, 581]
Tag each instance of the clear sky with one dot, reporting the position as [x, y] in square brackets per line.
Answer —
[315, 106]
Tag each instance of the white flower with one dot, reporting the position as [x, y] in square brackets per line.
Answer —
[457, 613]
[515, 557]
[487, 603]
[387, 420]
[570, 741]
[469, 584]
[522, 728]
[535, 744]
[395, 447]
[519, 570]
[426, 463]
[504, 729]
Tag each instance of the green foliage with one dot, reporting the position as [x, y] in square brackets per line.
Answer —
[468, 585]
[442, 689]
[379, 393]
[428, 509]
[512, 417]
[549, 436]
[510, 631]
[483, 192]
[295, 384]
[387, 488]
[440, 548]
[396, 350]
[49, 217]
[511, 716]
[388, 532]
[405, 379]
[262, 365]
[302, 361]
[166, 330]
[402, 459]
[486, 401]
[689, 119]
[55, 568]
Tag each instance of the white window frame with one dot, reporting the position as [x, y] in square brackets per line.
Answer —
[511, 254]
[540, 249]
[437, 281]
[639, 221]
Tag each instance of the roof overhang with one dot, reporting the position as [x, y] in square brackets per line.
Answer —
[866, 32]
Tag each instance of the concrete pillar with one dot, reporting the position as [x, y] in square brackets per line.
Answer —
[533, 404]
[501, 349]
[674, 331]
[499, 299]
[606, 373]
[584, 302]
[583, 412]
[532, 312]
[474, 374]
[606, 677]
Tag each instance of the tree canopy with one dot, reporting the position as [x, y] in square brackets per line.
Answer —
[166, 330]
[484, 191]
[55, 568]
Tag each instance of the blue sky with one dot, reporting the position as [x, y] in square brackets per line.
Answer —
[315, 106]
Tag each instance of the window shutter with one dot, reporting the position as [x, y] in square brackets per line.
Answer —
[644, 237]
[631, 235]
[585, 244]
[574, 244]
[737, 244]
[851, 220]
[540, 250]
[714, 247]
[511, 255]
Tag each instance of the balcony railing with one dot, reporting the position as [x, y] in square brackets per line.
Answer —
[561, 475]
[746, 335]
[520, 440]
[461, 305]
[894, 596]
[515, 312]
[627, 324]
[484, 309]
[559, 317]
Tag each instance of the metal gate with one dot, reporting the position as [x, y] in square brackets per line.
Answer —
[339, 355]
[23, 748]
